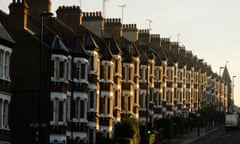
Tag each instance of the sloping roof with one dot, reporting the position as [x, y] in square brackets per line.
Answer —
[4, 35]
[76, 47]
[55, 43]
[113, 45]
[89, 42]
[226, 76]
[104, 49]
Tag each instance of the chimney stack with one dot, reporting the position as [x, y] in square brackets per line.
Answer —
[71, 15]
[144, 35]
[130, 32]
[94, 21]
[18, 17]
[155, 39]
[36, 7]
[113, 26]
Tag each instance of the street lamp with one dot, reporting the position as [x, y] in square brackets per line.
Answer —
[122, 6]
[147, 107]
[42, 15]
[220, 68]
[149, 24]
[233, 92]
[198, 101]
[198, 123]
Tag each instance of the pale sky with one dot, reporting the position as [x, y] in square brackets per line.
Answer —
[210, 28]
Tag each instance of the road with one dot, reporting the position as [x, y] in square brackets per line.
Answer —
[220, 136]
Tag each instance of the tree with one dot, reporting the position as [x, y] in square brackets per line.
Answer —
[128, 128]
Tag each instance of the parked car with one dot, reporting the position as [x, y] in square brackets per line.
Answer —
[231, 121]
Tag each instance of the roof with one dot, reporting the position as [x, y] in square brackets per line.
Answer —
[226, 76]
[5, 37]
[55, 43]
[76, 47]
[113, 45]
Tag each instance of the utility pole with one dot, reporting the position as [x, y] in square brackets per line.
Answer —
[233, 92]
[104, 1]
[149, 24]
[122, 6]
[178, 36]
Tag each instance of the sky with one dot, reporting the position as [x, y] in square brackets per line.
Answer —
[209, 28]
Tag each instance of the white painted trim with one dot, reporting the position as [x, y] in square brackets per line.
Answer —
[127, 92]
[60, 57]
[106, 93]
[5, 96]
[81, 95]
[6, 49]
[59, 95]
[110, 63]
[82, 60]
[58, 137]
[106, 128]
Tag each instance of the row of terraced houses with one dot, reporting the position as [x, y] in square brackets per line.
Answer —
[78, 74]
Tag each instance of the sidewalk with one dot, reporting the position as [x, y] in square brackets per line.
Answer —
[190, 136]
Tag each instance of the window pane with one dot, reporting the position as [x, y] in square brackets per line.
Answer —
[91, 99]
[55, 110]
[1, 63]
[78, 67]
[82, 109]
[82, 71]
[7, 65]
[5, 115]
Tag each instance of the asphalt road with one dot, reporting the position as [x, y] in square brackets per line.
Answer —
[220, 136]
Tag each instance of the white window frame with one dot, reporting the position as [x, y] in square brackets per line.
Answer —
[55, 111]
[1, 63]
[5, 114]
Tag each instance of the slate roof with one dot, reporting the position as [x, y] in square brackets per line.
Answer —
[226, 76]
[54, 42]
[5, 38]
[113, 45]
[76, 48]
[104, 50]
[89, 42]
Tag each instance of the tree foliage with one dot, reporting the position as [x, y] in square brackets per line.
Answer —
[128, 128]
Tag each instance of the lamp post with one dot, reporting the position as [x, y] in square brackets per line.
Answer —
[219, 106]
[198, 123]
[233, 92]
[220, 69]
[149, 24]
[198, 101]
[122, 6]
[147, 108]
[38, 133]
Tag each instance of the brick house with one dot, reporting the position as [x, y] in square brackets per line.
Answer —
[6, 49]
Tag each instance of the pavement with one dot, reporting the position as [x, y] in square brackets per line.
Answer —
[191, 136]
